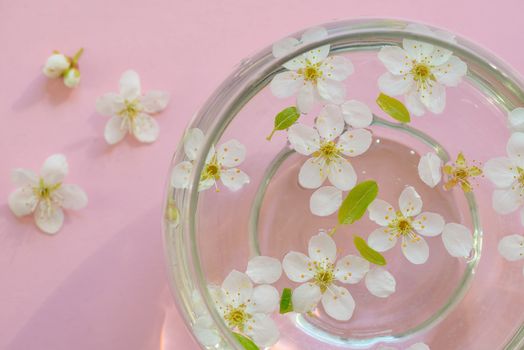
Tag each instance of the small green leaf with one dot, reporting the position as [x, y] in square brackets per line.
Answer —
[284, 120]
[245, 342]
[393, 108]
[357, 201]
[367, 252]
[286, 304]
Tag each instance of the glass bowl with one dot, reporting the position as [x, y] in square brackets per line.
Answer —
[223, 210]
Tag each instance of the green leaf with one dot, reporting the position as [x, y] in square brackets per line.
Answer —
[286, 304]
[394, 108]
[367, 252]
[284, 120]
[245, 342]
[357, 201]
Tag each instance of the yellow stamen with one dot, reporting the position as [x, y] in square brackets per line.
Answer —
[460, 173]
[311, 72]
[324, 275]
[236, 318]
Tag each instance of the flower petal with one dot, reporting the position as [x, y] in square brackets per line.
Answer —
[264, 270]
[413, 103]
[325, 201]
[451, 72]
[73, 197]
[206, 184]
[115, 130]
[237, 287]
[304, 139]
[55, 169]
[298, 267]
[109, 104]
[380, 282]
[501, 171]
[512, 247]
[285, 84]
[284, 47]
[515, 148]
[145, 128]
[316, 34]
[410, 202]
[356, 114]
[429, 224]
[312, 173]
[205, 332]
[341, 174]
[382, 239]
[418, 50]
[351, 269]
[418, 346]
[155, 101]
[430, 169]
[395, 59]
[331, 90]
[22, 201]
[329, 122]
[381, 212]
[234, 178]
[458, 240]
[231, 153]
[395, 84]
[305, 297]
[262, 330]
[49, 220]
[355, 142]
[337, 68]
[306, 97]
[415, 249]
[507, 201]
[516, 119]
[338, 303]
[193, 140]
[23, 177]
[322, 248]
[265, 299]
[434, 98]
[180, 174]
[130, 85]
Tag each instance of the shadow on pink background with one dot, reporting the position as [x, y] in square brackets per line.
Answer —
[100, 283]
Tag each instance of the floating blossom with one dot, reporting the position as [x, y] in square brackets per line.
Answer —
[59, 65]
[312, 76]
[507, 174]
[407, 224]
[420, 72]
[246, 309]
[512, 248]
[220, 164]
[430, 169]
[130, 110]
[46, 195]
[417, 346]
[327, 153]
[460, 173]
[319, 272]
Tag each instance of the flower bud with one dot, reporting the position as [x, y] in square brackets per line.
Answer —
[56, 65]
[72, 77]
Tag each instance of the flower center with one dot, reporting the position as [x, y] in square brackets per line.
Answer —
[402, 227]
[421, 73]
[328, 150]
[131, 109]
[311, 72]
[212, 170]
[324, 275]
[237, 317]
[460, 173]
[520, 178]
[44, 191]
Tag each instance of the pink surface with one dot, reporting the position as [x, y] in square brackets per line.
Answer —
[100, 283]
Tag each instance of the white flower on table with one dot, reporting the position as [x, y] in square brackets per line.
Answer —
[320, 272]
[312, 76]
[45, 195]
[221, 164]
[327, 153]
[130, 110]
[420, 71]
[512, 248]
[417, 346]
[246, 309]
[507, 174]
[408, 224]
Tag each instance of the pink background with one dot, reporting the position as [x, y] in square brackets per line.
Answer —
[100, 283]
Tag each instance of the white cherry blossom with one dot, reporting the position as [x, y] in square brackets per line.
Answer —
[507, 174]
[421, 72]
[221, 164]
[430, 169]
[313, 76]
[46, 195]
[512, 248]
[328, 144]
[56, 65]
[320, 274]
[407, 224]
[130, 111]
